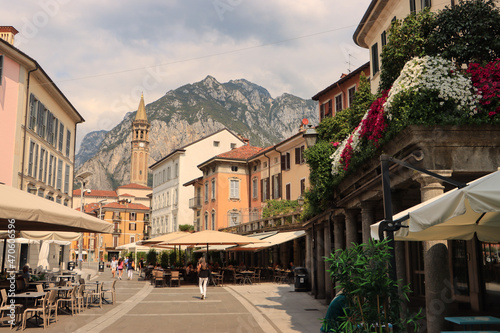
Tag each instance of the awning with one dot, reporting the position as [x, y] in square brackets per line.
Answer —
[277, 239]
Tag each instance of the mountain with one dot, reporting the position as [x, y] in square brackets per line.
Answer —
[191, 112]
[89, 147]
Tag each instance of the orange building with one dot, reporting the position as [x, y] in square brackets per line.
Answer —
[340, 95]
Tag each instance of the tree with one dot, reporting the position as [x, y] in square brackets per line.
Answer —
[151, 257]
[467, 32]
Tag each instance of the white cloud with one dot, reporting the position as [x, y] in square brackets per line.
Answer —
[103, 54]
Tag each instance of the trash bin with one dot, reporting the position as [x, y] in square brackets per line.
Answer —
[101, 266]
[71, 265]
[301, 279]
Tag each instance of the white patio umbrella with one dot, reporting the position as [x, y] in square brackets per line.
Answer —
[28, 212]
[456, 214]
[43, 255]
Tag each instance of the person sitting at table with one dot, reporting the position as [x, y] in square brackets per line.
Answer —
[26, 273]
[242, 266]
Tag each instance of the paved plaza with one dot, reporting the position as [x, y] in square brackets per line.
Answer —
[140, 307]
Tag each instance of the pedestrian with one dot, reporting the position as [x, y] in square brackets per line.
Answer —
[203, 274]
[130, 268]
[114, 266]
[120, 268]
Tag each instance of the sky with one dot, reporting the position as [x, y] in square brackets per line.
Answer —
[103, 54]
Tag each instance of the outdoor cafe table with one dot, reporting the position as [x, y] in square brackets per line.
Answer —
[34, 295]
[59, 289]
[469, 321]
[247, 276]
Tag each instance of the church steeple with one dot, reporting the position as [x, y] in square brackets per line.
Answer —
[140, 146]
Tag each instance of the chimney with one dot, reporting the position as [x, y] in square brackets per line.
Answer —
[7, 33]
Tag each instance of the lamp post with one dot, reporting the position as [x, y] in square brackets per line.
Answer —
[311, 136]
[81, 178]
[98, 237]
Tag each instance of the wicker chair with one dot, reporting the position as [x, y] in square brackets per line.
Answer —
[69, 300]
[111, 291]
[175, 277]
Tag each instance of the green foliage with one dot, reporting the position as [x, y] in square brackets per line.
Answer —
[406, 39]
[467, 32]
[373, 301]
[279, 207]
[165, 259]
[363, 98]
[186, 227]
[141, 255]
[151, 257]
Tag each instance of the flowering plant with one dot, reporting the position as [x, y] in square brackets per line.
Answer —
[423, 74]
[487, 82]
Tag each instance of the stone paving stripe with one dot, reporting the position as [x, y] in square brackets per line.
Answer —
[184, 314]
[263, 321]
[113, 315]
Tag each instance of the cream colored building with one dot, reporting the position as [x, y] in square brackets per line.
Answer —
[38, 126]
[170, 200]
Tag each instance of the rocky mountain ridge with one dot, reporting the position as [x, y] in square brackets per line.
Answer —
[189, 113]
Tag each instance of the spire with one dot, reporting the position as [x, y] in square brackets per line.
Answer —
[141, 110]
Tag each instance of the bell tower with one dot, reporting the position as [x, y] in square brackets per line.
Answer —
[140, 146]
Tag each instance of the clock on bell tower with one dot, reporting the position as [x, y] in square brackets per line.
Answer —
[140, 146]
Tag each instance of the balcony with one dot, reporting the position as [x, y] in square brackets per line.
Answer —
[195, 203]
[283, 222]
[117, 231]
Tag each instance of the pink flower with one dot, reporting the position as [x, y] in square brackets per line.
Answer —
[335, 144]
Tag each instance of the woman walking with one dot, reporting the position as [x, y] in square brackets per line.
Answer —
[114, 266]
[130, 268]
[120, 268]
[203, 274]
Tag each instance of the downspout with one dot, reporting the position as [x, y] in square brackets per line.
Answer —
[26, 123]
[268, 172]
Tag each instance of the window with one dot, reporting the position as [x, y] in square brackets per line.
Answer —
[206, 191]
[288, 191]
[216, 143]
[285, 161]
[30, 160]
[426, 3]
[132, 239]
[213, 219]
[66, 179]
[264, 189]
[233, 145]
[234, 168]
[176, 170]
[41, 192]
[61, 136]
[1, 69]
[299, 155]
[234, 185]
[175, 198]
[350, 95]
[302, 186]
[33, 112]
[41, 120]
[338, 103]
[168, 173]
[132, 226]
[206, 220]
[115, 241]
[68, 142]
[174, 223]
[133, 217]
[322, 111]
[276, 183]
[50, 128]
[59, 174]
[35, 161]
[41, 164]
[213, 188]
[383, 39]
[412, 6]
[375, 66]
[51, 162]
[330, 108]
[255, 188]
[265, 164]
[168, 199]
[234, 218]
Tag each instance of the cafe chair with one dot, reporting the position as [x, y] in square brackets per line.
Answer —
[80, 297]
[70, 300]
[5, 308]
[111, 291]
[175, 277]
[94, 296]
[238, 278]
[40, 311]
[158, 278]
[256, 276]
[219, 279]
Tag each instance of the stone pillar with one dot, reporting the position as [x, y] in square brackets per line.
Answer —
[296, 253]
[351, 228]
[309, 255]
[437, 274]
[338, 232]
[320, 261]
[367, 219]
[328, 250]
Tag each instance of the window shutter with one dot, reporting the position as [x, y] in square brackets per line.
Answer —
[283, 162]
[261, 190]
[302, 154]
[268, 187]
[287, 161]
[279, 183]
[297, 156]
[272, 186]
[288, 191]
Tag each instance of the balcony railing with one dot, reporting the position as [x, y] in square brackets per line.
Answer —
[195, 203]
[279, 222]
[117, 231]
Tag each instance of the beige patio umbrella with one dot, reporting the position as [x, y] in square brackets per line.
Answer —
[157, 242]
[212, 237]
[28, 212]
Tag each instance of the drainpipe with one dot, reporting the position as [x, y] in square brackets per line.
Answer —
[268, 172]
[26, 122]
[281, 175]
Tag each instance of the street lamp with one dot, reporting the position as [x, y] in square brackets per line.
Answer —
[300, 200]
[81, 178]
[311, 136]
